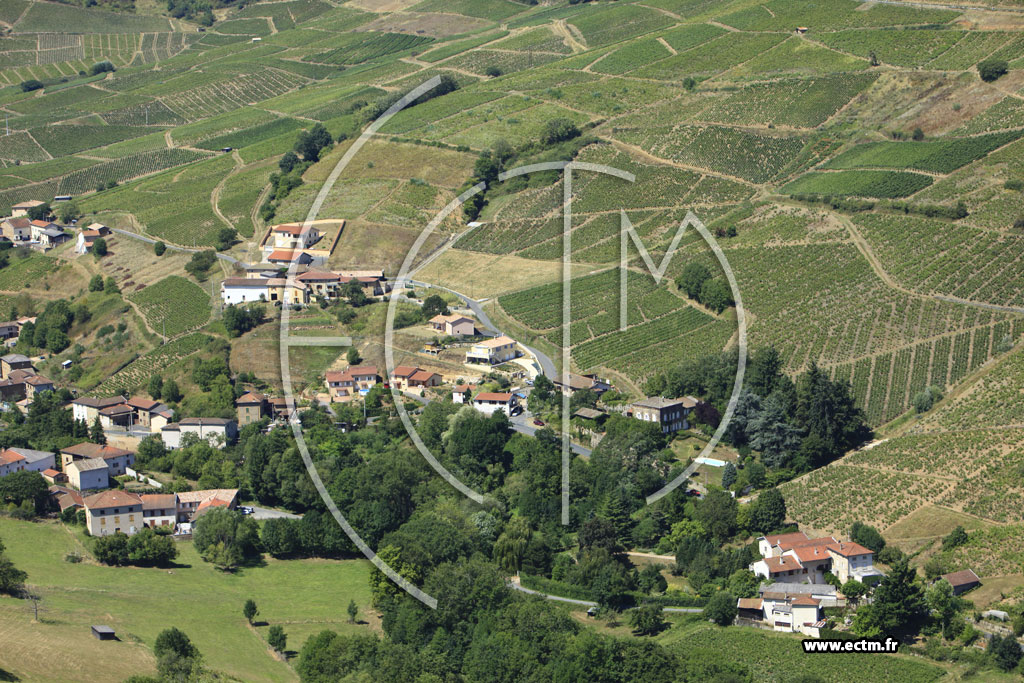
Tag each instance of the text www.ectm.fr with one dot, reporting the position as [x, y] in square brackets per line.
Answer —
[889, 645]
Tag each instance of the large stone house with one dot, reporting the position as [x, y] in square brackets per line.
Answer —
[112, 511]
[88, 473]
[671, 413]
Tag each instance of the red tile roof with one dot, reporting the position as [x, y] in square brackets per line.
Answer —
[112, 498]
[92, 450]
[404, 371]
[783, 563]
[493, 396]
[849, 548]
[422, 376]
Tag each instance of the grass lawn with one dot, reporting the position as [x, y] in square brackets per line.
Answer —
[305, 596]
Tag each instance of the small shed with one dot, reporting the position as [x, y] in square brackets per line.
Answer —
[65, 364]
[103, 633]
[590, 414]
[962, 581]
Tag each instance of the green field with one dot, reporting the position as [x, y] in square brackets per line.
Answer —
[205, 603]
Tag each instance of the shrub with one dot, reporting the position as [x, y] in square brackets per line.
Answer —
[992, 69]
[159, 248]
[30, 85]
[102, 67]
[558, 130]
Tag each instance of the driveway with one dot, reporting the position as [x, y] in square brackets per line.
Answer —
[269, 513]
[523, 423]
[547, 366]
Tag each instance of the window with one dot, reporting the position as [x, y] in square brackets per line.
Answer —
[131, 518]
[117, 520]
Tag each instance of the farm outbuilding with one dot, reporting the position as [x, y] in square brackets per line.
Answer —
[103, 633]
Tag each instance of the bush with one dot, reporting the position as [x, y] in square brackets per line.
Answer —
[30, 85]
[102, 67]
[992, 69]
[558, 130]
[159, 248]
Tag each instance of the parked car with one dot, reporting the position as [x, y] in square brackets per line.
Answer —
[538, 422]
[246, 510]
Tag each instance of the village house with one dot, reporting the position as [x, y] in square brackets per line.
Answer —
[87, 237]
[670, 413]
[320, 283]
[66, 498]
[88, 473]
[88, 409]
[191, 502]
[406, 377]
[343, 385]
[250, 407]
[159, 509]
[10, 330]
[22, 208]
[489, 402]
[580, 382]
[21, 386]
[148, 413]
[291, 236]
[112, 511]
[216, 430]
[120, 416]
[462, 393]
[453, 325]
[16, 229]
[116, 459]
[48, 234]
[493, 351]
[12, 362]
[20, 459]
[794, 557]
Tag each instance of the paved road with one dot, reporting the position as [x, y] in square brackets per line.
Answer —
[269, 513]
[523, 423]
[589, 603]
[172, 247]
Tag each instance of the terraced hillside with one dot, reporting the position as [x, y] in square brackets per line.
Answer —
[797, 148]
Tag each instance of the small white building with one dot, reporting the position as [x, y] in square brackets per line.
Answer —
[216, 430]
[243, 290]
[489, 402]
[462, 393]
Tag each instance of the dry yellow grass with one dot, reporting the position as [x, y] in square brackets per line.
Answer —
[487, 275]
[56, 649]
[400, 161]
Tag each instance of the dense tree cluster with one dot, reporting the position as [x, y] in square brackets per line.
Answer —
[145, 548]
[795, 425]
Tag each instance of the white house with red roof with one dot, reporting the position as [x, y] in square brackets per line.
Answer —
[797, 558]
[488, 402]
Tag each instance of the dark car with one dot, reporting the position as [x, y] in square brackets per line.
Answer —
[538, 422]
